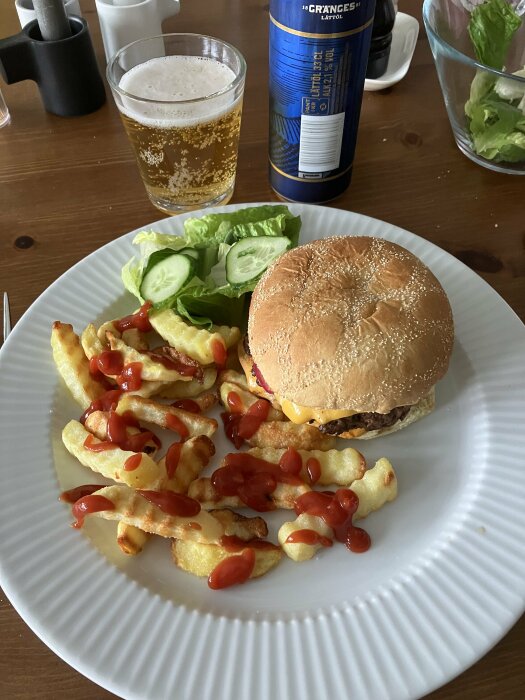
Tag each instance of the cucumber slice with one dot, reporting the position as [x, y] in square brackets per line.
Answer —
[165, 275]
[190, 252]
[248, 258]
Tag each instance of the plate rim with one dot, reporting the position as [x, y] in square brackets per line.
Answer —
[18, 604]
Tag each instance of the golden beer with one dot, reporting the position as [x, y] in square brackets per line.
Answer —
[188, 165]
[182, 112]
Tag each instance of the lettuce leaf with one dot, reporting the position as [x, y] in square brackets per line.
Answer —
[208, 298]
[265, 220]
[494, 117]
[491, 28]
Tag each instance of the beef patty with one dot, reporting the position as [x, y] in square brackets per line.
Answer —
[368, 421]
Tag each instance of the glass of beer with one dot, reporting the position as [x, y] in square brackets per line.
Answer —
[180, 99]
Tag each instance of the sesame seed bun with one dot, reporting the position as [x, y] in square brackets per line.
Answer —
[350, 322]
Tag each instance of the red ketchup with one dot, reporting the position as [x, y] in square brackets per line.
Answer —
[187, 405]
[100, 446]
[90, 504]
[219, 352]
[232, 570]
[95, 372]
[78, 492]
[307, 536]
[313, 469]
[173, 458]
[106, 402]
[178, 365]
[109, 362]
[239, 427]
[139, 320]
[251, 479]
[117, 432]
[232, 543]
[337, 510]
[173, 422]
[172, 503]
[133, 462]
[130, 379]
[291, 461]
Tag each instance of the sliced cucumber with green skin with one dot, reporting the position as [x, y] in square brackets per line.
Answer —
[165, 275]
[248, 258]
[191, 252]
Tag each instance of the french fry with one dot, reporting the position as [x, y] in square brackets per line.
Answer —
[151, 370]
[282, 434]
[239, 525]
[201, 559]
[107, 326]
[135, 339]
[377, 487]
[91, 343]
[247, 399]
[195, 342]
[234, 377]
[73, 365]
[97, 423]
[185, 390]
[206, 401]
[133, 509]
[195, 454]
[131, 539]
[341, 467]
[300, 551]
[283, 496]
[166, 416]
[110, 463]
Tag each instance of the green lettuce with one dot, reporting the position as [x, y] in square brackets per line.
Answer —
[265, 220]
[208, 298]
[494, 111]
[491, 29]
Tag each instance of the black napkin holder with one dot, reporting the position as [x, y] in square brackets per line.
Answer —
[65, 71]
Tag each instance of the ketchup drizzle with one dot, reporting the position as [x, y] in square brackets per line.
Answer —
[130, 379]
[307, 536]
[219, 352]
[187, 405]
[232, 570]
[172, 503]
[89, 504]
[239, 427]
[73, 495]
[337, 510]
[138, 320]
[251, 479]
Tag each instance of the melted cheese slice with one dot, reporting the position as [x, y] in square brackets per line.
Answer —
[303, 414]
[300, 414]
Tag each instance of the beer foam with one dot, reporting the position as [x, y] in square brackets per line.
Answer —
[170, 79]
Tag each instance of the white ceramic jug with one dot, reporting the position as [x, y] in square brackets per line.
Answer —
[124, 21]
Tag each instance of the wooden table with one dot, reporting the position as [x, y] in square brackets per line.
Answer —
[68, 186]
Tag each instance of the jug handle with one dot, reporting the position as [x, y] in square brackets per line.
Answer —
[16, 58]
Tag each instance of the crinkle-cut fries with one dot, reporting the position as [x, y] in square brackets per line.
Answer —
[130, 385]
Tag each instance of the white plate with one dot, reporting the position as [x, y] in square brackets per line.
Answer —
[441, 584]
[404, 38]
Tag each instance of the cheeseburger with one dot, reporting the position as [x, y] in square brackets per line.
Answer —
[350, 334]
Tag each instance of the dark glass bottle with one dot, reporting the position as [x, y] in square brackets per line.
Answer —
[384, 18]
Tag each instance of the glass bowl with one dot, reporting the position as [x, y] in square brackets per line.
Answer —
[486, 107]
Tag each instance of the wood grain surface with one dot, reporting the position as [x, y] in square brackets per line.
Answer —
[68, 186]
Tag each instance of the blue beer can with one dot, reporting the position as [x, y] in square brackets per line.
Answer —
[318, 55]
